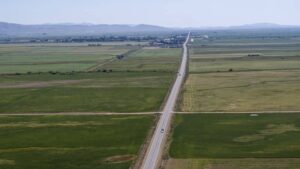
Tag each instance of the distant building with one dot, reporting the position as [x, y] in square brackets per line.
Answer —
[253, 55]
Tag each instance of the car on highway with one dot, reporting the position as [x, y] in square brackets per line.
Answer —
[162, 130]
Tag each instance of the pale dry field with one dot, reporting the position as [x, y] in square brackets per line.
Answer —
[242, 92]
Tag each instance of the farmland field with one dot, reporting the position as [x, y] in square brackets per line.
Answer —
[242, 91]
[73, 142]
[23, 59]
[210, 139]
[149, 59]
[84, 92]
[238, 75]
[220, 55]
[48, 78]
[80, 78]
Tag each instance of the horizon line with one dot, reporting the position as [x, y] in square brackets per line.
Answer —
[176, 27]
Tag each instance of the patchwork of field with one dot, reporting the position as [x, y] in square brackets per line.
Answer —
[58, 78]
[236, 140]
[84, 92]
[237, 75]
[244, 64]
[149, 59]
[61, 58]
[80, 78]
[73, 142]
[220, 55]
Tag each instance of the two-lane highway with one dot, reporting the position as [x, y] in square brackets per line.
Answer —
[156, 146]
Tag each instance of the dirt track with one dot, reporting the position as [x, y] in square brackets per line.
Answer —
[41, 84]
[75, 114]
[251, 112]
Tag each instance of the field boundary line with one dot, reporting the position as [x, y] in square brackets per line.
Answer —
[243, 71]
[76, 114]
[95, 67]
[101, 64]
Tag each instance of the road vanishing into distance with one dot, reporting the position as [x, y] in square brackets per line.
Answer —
[156, 146]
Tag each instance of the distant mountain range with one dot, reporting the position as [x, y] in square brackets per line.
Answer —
[11, 29]
[68, 29]
[263, 26]
[248, 26]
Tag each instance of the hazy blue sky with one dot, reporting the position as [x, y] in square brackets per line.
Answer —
[180, 13]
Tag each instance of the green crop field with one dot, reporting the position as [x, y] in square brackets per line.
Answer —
[84, 92]
[49, 78]
[80, 78]
[38, 58]
[213, 137]
[149, 59]
[236, 136]
[244, 64]
[71, 142]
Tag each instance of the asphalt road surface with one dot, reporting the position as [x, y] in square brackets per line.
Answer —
[156, 146]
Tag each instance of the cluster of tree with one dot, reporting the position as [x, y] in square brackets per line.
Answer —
[253, 54]
[94, 45]
[105, 70]
[174, 41]
[120, 57]
[78, 39]
[62, 73]
[170, 40]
